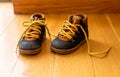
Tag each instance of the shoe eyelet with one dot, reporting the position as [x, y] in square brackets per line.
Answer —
[73, 40]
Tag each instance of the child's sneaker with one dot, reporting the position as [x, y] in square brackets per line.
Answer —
[71, 36]
[32, 39]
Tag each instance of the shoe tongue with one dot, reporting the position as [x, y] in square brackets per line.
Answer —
[75, 19]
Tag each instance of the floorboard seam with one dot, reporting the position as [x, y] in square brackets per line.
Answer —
[94, 73]
[111, 25]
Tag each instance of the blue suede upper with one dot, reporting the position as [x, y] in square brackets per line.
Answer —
[31, 45]
[62, 45]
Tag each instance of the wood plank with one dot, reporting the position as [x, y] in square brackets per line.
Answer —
[8, 42]
[114, 22]
[66, 6]
[7, 59]
[6, 16]
[102, 33]
[26, 2]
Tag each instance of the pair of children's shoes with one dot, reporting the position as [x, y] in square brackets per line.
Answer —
[73, 33]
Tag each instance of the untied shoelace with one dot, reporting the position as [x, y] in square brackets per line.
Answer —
[72, 28]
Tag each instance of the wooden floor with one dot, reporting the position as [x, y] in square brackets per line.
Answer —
[104, 31]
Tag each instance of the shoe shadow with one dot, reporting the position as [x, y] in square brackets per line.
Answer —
[95, 47]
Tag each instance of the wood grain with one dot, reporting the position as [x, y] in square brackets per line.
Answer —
[66, 6]
[114, 22]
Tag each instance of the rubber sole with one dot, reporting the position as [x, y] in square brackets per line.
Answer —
[30, 52]
[66, 51]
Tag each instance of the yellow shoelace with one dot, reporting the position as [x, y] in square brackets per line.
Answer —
[68, 30]
[35, 28]
[72, 28]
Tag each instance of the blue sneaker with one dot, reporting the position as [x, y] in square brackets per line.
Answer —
[32, 39]
[71, 35]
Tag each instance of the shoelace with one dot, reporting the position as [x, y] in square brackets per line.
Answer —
[68, 30]
[73, 28]
[36, 30]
